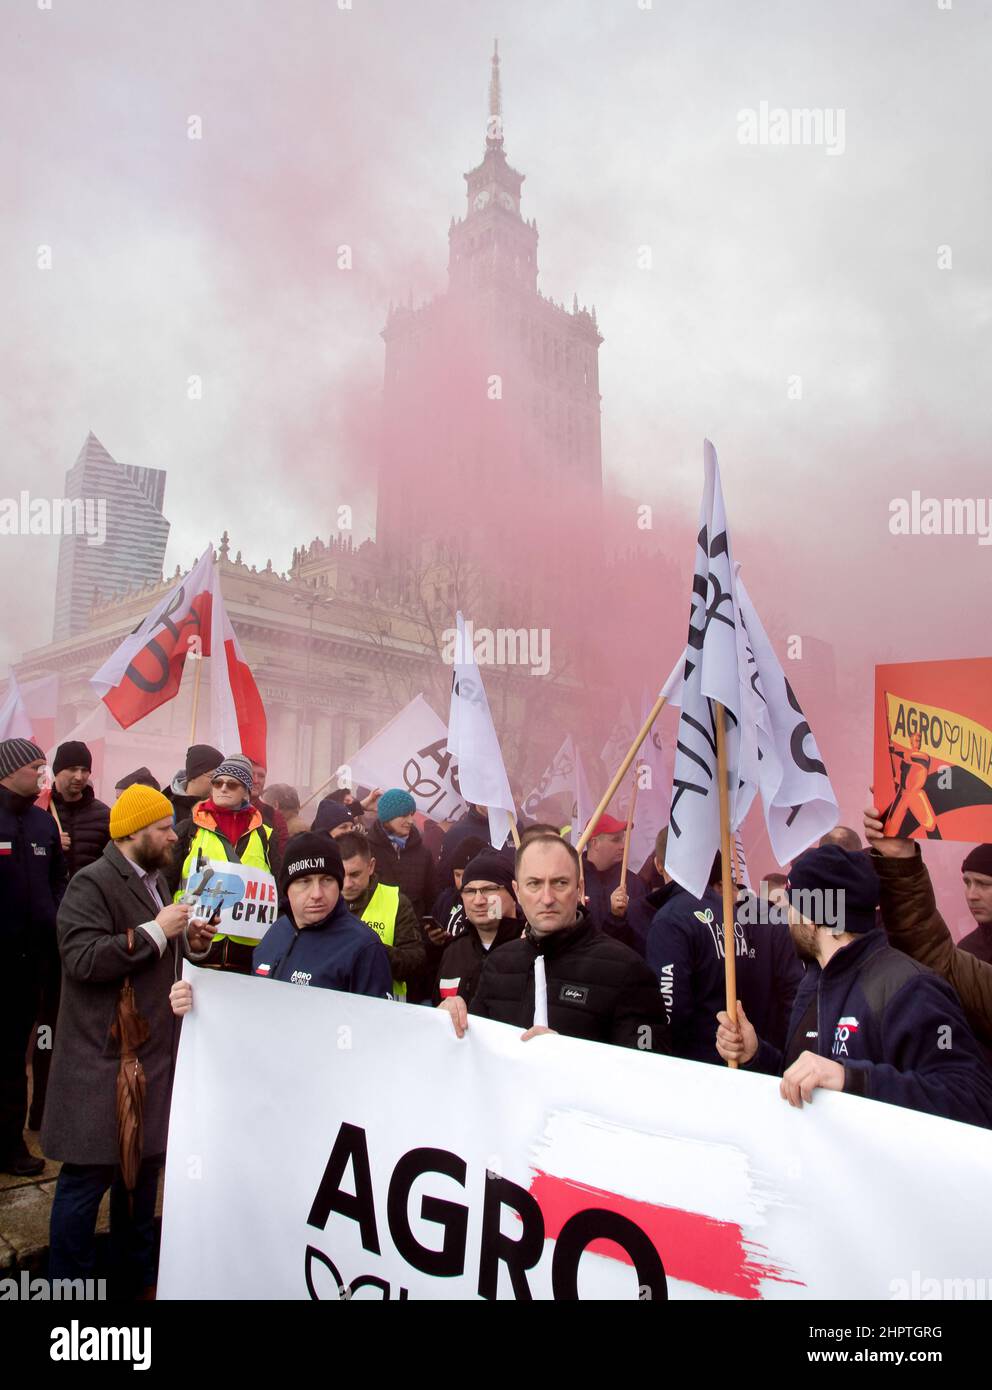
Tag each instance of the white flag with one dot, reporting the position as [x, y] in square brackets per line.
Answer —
[411, 751]
[559, 777]
[473, 743]
[622, 735]
[798, 800]
[716, 661]
[583, 805]
[14, 719]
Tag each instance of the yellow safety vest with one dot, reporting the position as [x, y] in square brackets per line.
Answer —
[212, 846]
[380, 915]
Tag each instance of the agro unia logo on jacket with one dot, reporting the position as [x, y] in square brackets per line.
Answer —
[846, 1027]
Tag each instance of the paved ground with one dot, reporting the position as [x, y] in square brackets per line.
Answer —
[25, 1209]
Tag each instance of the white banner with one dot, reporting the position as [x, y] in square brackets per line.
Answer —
[412, 752]
[426, 1167]
[235, 898]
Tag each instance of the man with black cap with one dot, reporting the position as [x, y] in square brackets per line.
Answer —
[192, 784]
[318, 942]
[490, 920]
[32, 881]
[914, 924]
[85, 821]
[867, 1019]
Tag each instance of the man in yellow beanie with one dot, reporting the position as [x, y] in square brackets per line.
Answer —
[115, 921]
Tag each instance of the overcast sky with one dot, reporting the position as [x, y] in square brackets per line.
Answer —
[216, 257]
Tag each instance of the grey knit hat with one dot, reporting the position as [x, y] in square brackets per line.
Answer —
[236, 766]
[16, 753]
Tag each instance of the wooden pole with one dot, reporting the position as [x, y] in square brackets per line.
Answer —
[323, 787]
[513, 830]
[729, 954]
[196, 652]
[626, 838]
[736, 861]
[621, 771]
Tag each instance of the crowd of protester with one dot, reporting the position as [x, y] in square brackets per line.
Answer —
[875, 1000]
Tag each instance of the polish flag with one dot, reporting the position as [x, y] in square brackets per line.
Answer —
[449, 988]
[262, 969]
[146, 670]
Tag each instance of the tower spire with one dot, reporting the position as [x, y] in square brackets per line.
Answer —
[494, 126]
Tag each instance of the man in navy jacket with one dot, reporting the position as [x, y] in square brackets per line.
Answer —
[318, 942]
[685, 951]
[867, 1019]
[32, 881]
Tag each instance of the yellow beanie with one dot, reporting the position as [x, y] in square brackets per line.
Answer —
[136, 807]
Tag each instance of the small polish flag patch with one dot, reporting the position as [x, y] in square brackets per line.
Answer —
[449, 988]
[850, 1022]
[6, 846]
[262, 969]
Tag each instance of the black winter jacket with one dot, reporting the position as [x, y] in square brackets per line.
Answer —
[598, 989]
[32, 875]
[685, 954]
[463, 958]
[411, 871]
[87, 823]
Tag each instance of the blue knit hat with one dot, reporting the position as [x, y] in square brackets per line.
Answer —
[395, 802]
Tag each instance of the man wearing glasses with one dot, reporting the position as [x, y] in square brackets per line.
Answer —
[228, 828]
[490, 916]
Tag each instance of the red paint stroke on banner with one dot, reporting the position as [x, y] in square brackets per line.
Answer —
[694, 1248]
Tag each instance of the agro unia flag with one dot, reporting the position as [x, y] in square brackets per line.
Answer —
[798, 800]
[411, 751]
[473, 743]
[716, 658]
[146, 670]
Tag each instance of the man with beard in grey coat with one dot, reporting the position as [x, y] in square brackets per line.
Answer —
[122, 891]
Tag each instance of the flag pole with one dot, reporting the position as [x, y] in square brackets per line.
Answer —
[630, 826]
[729, 956]
[621, 772]
[514, 831]
[736, 861]
[195, 645]
[323, 787]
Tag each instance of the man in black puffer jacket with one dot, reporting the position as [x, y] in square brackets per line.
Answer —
[565, 975]
[85, 821]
